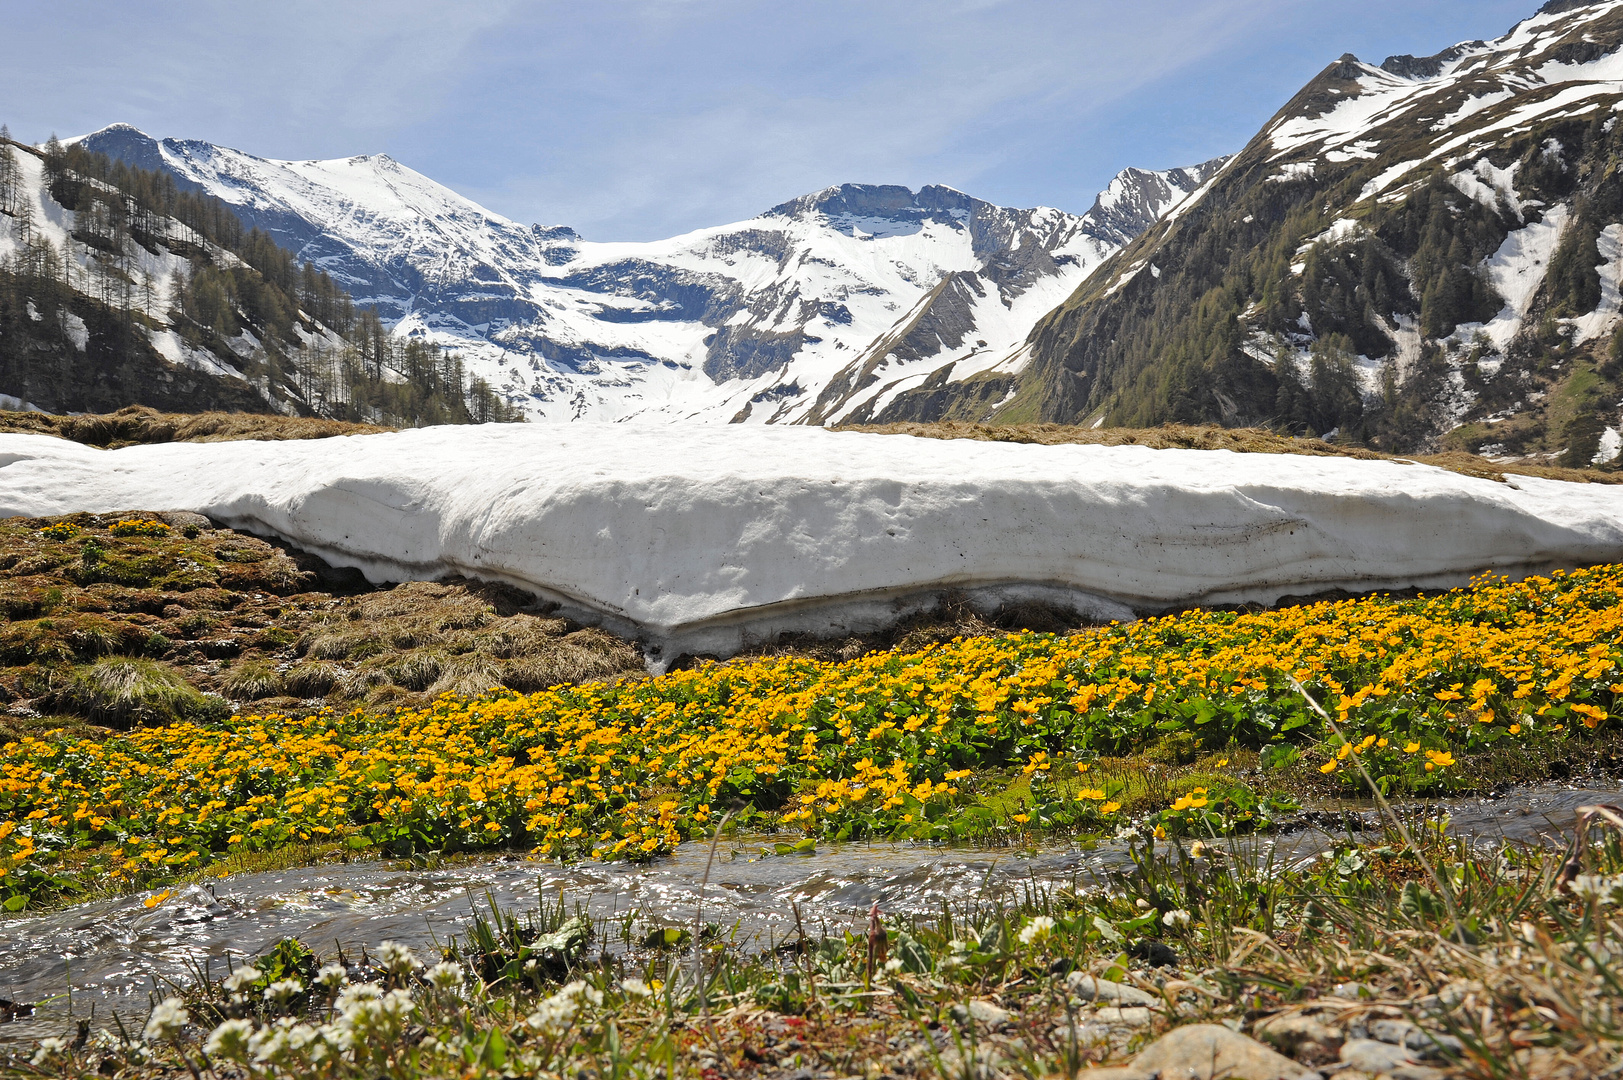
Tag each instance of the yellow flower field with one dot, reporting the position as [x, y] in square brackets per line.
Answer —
[879, 745]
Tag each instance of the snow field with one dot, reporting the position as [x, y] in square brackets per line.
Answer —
[705, 540]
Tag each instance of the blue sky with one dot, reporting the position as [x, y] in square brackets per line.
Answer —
[637, 119]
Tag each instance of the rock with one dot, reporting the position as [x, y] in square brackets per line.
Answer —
[1428, 1044]
[1131, 1016]
[1300, 1037]
[1091, 988]
[1213, 1052]
[982, 1012]
[1381, 1058]
[1086, 1034]
[1354, 991]
[179, 519]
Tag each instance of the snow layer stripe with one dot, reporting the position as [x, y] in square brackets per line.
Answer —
[705, 539]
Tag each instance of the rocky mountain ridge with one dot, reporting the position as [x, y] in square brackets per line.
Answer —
[818, 310]
[1421, 254]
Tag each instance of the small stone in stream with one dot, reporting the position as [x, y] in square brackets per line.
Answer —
[1300, 1037]
[1153, 953]
[1213, 1052]
[1091, 988]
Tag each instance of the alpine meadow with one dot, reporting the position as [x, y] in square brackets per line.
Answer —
[894, 634]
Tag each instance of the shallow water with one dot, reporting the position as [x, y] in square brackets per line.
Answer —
[115, 953]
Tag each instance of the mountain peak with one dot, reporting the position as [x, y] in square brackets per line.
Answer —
[120, 129]
[855, 200]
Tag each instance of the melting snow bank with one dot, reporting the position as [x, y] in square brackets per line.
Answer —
[706, 540]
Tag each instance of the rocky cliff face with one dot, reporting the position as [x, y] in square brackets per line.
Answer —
[821, 309]
[1421, 253]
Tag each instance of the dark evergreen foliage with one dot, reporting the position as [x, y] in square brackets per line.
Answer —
[310, 350]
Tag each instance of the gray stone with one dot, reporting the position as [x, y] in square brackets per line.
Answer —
[1373, 1056]
[1213, 1052]
[983, 1012]
[1301, 1037]
[1354, 991]
[1084, 1034]
[1431, 1044]
[1132, 1016]
[1091, 988]
[179, 519]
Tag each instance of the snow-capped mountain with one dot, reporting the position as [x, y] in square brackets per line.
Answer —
[816, 311]
[1422, 253]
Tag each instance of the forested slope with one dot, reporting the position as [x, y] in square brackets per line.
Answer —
[119, 288]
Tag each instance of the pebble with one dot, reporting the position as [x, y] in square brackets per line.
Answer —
[1091, 988]
[1430, 1044]
[1207, 1052]
[1381, 1058]
[1301, 1037]
[1086, 1034]
[984, 1012]
[1132, 1016]
[1354, 991]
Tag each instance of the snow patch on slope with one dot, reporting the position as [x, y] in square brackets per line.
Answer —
[1518, 268]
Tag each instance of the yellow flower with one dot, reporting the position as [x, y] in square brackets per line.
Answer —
[1328, 767]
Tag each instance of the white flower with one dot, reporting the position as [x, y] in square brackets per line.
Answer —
[397, 1004]
[579, 988]
[893, 964]
[398, 959]
[552, 1016]
[1036, 930]
[1596, 886]
[48, 1049]
[229, 1040]
[445, 976]
[1176, 917]
[283, 991]
[331, 976]
[267, 1044]
[358, 995]
[636, 988]
[242, 978]
[167, 1018]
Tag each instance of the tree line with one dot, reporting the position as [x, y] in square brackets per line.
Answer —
[144, 253]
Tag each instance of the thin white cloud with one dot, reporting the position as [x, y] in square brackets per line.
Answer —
[639, 118]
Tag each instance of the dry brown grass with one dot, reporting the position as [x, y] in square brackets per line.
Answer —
[137, 425]
[1239, 440]
[147, 629]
